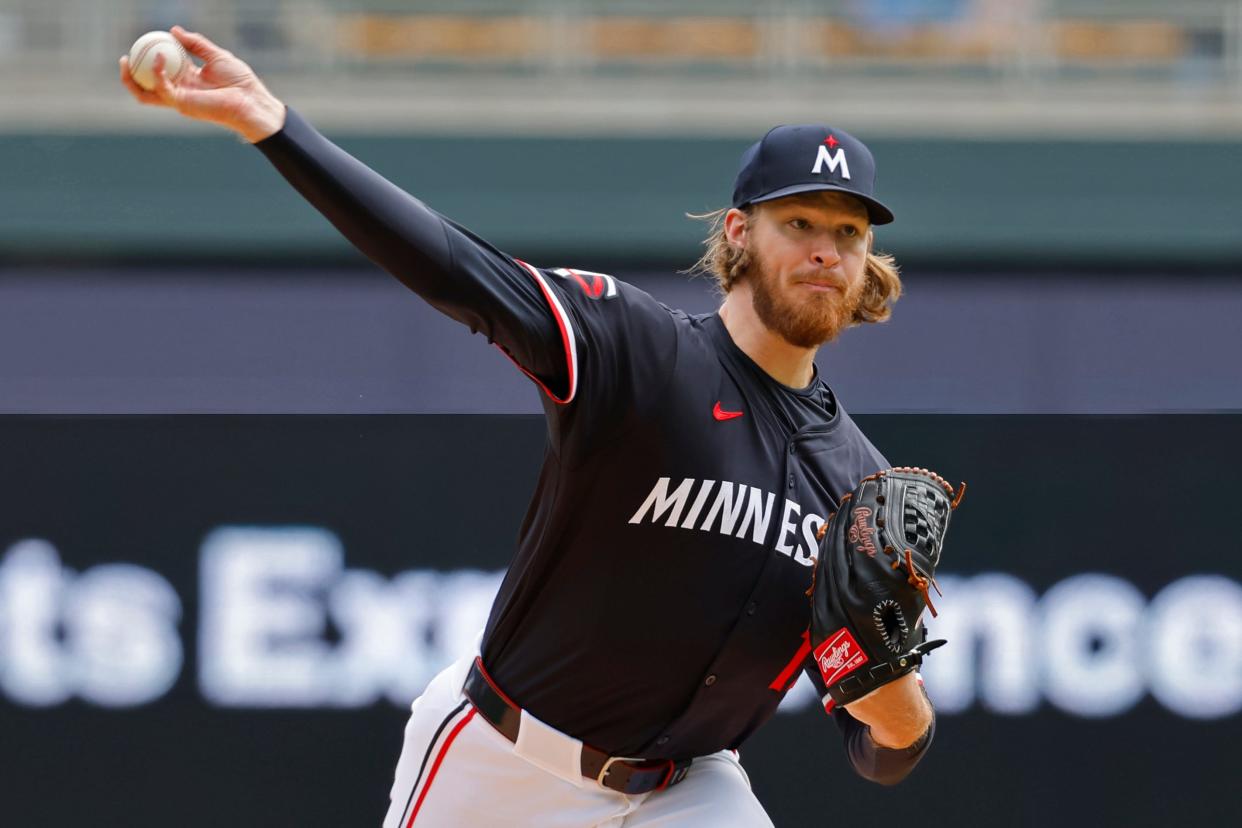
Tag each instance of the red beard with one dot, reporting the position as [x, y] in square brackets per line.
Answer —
[818, 318]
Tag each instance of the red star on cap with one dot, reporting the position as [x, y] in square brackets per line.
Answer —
[832, 142]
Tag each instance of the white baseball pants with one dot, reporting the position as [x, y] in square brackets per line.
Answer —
[456, 770]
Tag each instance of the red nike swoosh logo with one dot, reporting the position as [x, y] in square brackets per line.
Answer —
[720, 414]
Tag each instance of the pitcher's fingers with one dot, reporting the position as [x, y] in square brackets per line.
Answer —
[141, 95]
[167, 92]
[163, 89]
[197, 44]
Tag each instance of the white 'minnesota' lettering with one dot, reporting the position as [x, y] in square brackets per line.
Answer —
[987, 620]
[833, 160]
[726, 507]
[787, 526]
[1194, 627]
[1091, 654]
[731, 503]
[121, 633]
[758, 515]
[260, 634]
[660, 501]
[697, 507]
[810, 525]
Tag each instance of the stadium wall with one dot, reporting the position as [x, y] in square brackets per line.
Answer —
[1002, 202]
[248, 339]
[221, 620]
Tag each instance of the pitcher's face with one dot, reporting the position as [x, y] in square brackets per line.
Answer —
[808, 258]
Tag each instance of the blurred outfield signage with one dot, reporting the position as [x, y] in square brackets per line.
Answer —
[269, 597]
[243, 605]
[1027, 203]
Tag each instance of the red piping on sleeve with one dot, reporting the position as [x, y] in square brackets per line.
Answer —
[567, 338]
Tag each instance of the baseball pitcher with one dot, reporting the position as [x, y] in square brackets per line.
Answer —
[708, 524]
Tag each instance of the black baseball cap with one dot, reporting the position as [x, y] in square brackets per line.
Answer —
[805, 157]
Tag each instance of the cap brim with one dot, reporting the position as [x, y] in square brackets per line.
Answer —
[877, 212]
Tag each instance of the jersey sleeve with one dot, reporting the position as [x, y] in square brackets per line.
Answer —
[623, 346]
[454, 270]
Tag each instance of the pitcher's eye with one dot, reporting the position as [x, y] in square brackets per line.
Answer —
[799, 224]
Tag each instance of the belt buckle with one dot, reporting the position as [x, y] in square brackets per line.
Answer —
[670, 773]
[604, 770]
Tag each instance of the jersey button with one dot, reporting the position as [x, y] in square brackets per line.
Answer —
[791, 481]
[751, 607]
[791, 449]
[710, 680]
[663, 740]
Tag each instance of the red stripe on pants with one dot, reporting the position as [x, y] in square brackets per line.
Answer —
[435, 766]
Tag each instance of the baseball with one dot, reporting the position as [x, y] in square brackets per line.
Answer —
[142, 58]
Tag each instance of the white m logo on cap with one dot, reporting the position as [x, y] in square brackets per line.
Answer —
[833, 160]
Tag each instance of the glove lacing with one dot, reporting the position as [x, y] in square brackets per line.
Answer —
[918, 580]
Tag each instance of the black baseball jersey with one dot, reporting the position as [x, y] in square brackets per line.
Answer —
[656, 605]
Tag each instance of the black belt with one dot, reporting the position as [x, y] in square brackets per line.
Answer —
[620, 773]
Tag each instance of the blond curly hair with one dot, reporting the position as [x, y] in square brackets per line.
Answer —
[727, 263]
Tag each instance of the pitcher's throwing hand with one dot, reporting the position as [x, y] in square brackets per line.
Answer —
[224, 90]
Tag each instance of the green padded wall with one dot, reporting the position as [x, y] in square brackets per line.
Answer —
[1024, 203]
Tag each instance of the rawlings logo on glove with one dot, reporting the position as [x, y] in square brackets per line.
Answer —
[878, 557]
[838, 656]
[861, 535]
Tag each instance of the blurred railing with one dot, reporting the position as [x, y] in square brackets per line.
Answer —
[1193, 47]
[1043, 38]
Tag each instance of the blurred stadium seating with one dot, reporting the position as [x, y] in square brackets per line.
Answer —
[1090, 94]
[978, 51]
